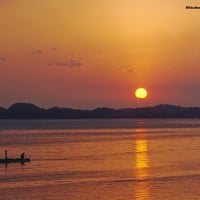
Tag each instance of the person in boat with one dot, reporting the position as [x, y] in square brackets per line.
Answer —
[22, 156]
[6, 154]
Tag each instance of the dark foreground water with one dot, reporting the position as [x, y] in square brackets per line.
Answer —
[101, 159]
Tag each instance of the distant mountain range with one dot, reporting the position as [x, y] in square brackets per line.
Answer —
[31, 111]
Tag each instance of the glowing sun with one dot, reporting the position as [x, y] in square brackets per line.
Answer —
[141, 93]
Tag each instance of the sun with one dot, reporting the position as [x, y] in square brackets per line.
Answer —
[141, 93]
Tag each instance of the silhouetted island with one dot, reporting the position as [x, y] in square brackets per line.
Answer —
[31, 111]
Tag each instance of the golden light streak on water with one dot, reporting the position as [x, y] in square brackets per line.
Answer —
[141, 166]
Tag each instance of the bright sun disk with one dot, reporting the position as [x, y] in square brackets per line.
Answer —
[141, 93]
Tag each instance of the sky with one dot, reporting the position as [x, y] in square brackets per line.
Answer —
[96, 53]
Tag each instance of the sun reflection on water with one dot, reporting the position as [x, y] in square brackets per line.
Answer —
[141, 157]
[141, 166]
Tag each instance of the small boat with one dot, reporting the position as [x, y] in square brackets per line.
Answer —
[14, 160]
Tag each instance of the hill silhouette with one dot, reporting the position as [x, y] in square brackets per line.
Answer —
[31, 111]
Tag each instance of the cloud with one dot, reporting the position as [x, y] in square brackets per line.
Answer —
[2, 59]
[128, 69]
[70, 63]
[37, 52]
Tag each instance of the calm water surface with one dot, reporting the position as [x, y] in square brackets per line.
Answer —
[122, 159]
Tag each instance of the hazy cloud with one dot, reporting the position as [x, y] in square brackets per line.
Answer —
[37, 52]
[2, 59]
[128, 69]
[69, 63]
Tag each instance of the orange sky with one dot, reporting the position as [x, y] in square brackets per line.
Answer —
[90, 53]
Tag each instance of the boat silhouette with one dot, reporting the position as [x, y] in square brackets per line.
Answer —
[14, 160]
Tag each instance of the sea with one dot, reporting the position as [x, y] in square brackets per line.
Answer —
[101, 159]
